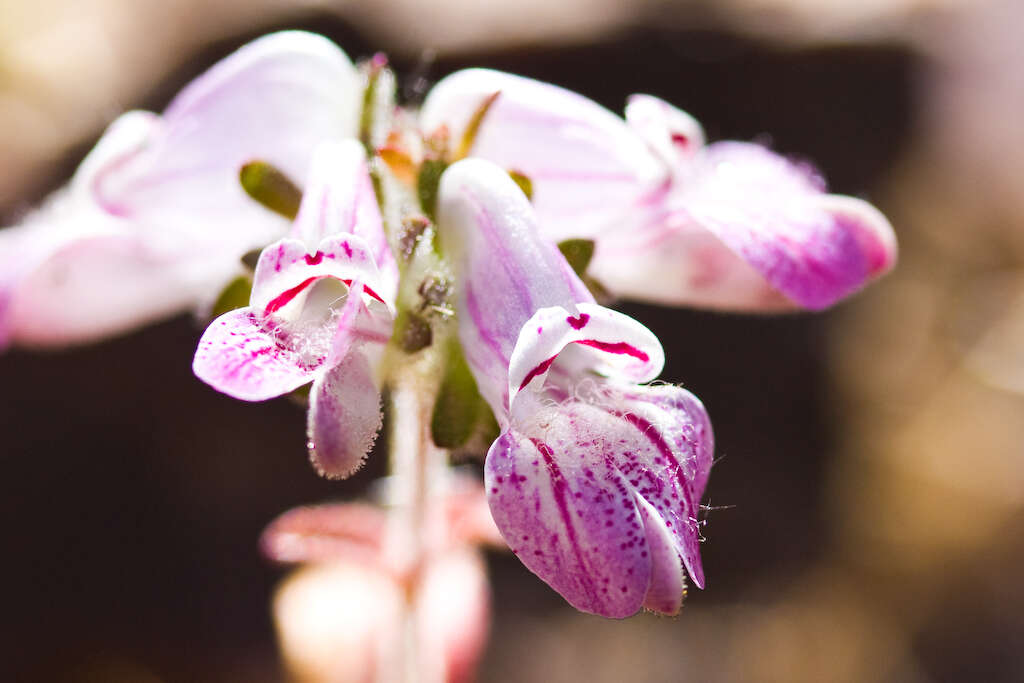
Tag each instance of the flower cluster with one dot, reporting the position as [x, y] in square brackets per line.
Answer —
[474, 232]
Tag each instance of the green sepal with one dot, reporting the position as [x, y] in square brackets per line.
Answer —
[251, 258]
[271, 188]
[459, 407]
[427, 184]
[473, 127]
[524, 183]
[301, 395]
[378, 101]
[235, 295]
[578, 253]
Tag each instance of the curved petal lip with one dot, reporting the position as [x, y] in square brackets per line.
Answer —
[239, 357]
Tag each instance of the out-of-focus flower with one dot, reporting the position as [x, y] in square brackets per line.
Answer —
[321, 310]
[729, 225]
[154, 221]
[340, 618]
[595, 480]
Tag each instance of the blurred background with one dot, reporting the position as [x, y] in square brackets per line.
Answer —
[874, 455]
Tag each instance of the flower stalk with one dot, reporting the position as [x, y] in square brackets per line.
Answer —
[415, 518]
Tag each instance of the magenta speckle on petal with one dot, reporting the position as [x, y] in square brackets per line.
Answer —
[314, 259]
[578, 322]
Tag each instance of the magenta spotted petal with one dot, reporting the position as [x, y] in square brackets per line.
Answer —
[321, 311]
[252, 358]
[599, 504]
[596, 479]
[603, 341]
[344, 417]
[286, 270]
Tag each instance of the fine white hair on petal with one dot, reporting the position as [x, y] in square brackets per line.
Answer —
[344, 417]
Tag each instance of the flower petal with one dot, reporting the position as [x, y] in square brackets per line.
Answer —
[66, 310]
[252, 358]
[813, 248]
[344, 417]
[105, 284]
[682, 423]
[668, 580]
[692, 266]
[489, 230]
[185, 178]
[671, 133]
[286, 271]
[586, 165]
[607, 342]
[549, 506]
[676, 428]
[325, 533]
[570, 486]
[339, 198]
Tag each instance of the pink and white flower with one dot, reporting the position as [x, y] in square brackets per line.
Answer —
[346, 614]
[596, 478]
[321, 311]
[729, 225]
[155, 221]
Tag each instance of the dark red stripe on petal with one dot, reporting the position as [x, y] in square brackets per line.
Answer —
[367, 290]
[560, 490]
[539, 370]
[655, 437]
[621, 348]
[282, 299]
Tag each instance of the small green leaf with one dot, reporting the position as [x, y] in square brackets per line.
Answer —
[524, 183]
[459, 406]
[235, 295]
[301, 395]
[578, 253]
[427, 184]
[271, 188]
